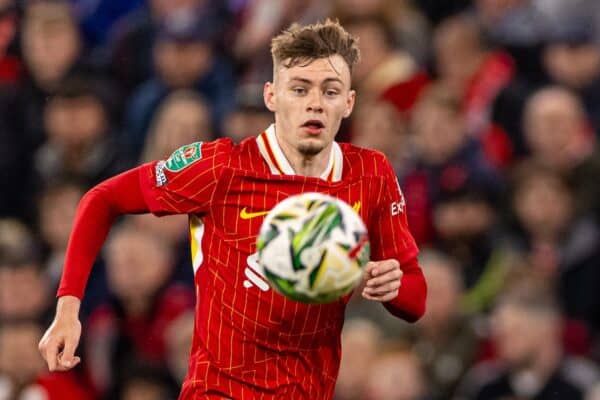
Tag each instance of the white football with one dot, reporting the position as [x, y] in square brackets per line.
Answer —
[312, 247]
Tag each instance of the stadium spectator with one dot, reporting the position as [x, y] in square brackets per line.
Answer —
[80, 140]
[527, 336]
[178, 337]
[182, 118]
[392, 136]
[184, 58]
[22, 372]
[385, 72]
[51, 49]
[11, 67]
[442, 161]
[144, 382]
[410, 28]
[561, 246]
[250, 114]
[396, 374]
[465, 219]
[593, 393]
[58, 204]
[25, 293]
[131, 325]
[513, 23]
[98, 19]
[17, 241]
[445, 339]
[360, 341]
[476, 75]
[572, 59]
[134, 35]
[558, 136]
[469, 69]
[51, 42]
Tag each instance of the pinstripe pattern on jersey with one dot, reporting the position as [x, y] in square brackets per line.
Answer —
[254, 344]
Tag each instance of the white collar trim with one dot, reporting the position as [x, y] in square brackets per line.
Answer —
[278, 164]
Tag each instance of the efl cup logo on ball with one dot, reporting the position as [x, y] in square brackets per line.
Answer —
[313, 247]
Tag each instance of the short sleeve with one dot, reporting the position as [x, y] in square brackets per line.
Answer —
[185, 182]
[389, 233]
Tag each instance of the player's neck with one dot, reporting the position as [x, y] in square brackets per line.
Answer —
[303, 164]
[311, 166]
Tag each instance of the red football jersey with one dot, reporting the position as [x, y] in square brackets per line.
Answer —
[251, 342]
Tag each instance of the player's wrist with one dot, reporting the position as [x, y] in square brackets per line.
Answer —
[68, 307]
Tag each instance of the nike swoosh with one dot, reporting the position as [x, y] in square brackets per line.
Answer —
[244, 214]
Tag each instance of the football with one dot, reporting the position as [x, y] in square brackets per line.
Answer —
[312, 247]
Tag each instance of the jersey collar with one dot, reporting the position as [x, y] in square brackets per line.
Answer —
[279, 165]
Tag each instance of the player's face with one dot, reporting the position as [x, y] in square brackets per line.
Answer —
[309, 102]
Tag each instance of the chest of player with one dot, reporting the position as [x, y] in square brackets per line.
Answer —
[242, 199]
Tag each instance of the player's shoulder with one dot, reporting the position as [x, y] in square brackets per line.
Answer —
[222, 145]
[363, 161]
[196, 155]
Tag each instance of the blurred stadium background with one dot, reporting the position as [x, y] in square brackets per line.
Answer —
[488, 109]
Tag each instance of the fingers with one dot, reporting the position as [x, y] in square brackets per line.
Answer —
[49, 350]
[383, 280]
[376, 268]
[383, 273]
[59, 351]
[383, 288]
[381, 298]
[64, 365]
[67, 359]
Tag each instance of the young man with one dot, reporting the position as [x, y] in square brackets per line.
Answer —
[249, 341]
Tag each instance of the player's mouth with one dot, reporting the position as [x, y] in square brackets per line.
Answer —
[313, 126]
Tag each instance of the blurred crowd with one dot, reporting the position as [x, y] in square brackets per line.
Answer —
[488, 109]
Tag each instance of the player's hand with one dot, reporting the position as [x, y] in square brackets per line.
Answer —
[382, 280]
[62, 337]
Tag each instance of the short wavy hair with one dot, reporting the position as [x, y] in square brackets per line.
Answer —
[299, 44]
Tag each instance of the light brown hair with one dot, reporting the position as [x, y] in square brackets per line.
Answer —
[302, 44]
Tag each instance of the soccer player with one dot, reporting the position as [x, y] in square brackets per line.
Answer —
[249, 341]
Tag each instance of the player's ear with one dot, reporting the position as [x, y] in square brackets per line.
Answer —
[350, 103]
[269, 96]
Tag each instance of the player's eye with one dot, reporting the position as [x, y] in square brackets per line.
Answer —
[331, 92]
[299, 90]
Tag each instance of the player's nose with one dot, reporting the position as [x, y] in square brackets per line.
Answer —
[315, 101]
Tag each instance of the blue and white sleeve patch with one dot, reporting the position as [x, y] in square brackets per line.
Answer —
[159, 173]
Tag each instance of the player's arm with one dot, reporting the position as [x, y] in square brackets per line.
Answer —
[182, 184]
[95, 214]
[395, 278]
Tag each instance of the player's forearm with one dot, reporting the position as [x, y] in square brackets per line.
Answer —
[96, 212]
[410, 302]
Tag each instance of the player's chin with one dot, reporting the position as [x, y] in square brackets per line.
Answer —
[311, 147]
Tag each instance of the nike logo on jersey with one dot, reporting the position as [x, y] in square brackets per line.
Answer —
[245, 214]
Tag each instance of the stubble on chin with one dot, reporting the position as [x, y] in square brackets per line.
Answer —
[310, 149]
